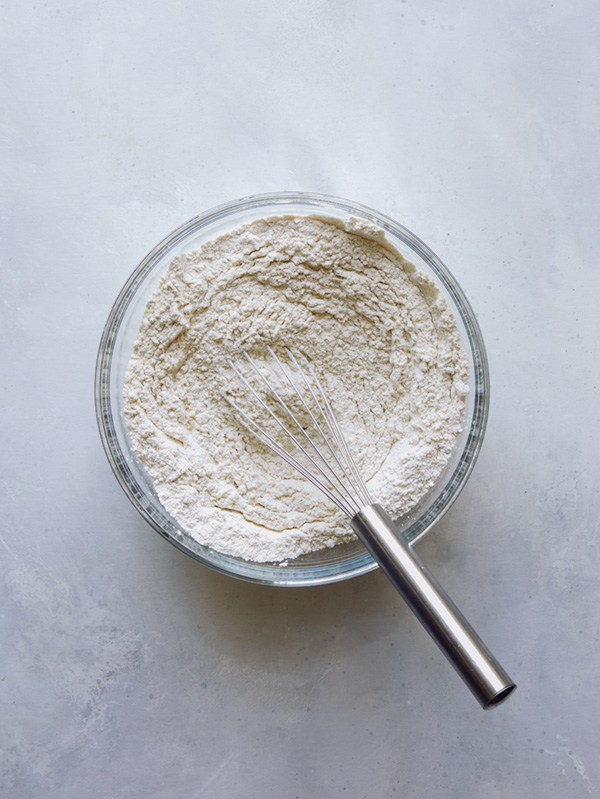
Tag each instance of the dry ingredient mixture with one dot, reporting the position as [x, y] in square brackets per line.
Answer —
[384, 342]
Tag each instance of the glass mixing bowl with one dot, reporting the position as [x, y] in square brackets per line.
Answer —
[329, 565]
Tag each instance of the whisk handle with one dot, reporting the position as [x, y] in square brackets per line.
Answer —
[433, 607]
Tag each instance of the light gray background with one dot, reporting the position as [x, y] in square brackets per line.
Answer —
[127, 671]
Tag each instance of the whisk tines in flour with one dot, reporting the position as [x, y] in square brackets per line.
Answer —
[285, 406]
[297, 421]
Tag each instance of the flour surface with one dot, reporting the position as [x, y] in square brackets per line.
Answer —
[384, 342]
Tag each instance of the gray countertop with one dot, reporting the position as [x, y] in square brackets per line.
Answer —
[128, 671]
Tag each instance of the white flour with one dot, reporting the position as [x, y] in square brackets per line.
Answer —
[384, 342]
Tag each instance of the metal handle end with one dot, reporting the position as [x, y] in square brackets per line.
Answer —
[479, 669]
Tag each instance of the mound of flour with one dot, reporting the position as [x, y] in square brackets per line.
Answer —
[384, 342]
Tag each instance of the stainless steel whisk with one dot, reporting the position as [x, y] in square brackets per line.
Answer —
[305, 433]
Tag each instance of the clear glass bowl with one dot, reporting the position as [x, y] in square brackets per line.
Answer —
[329, 565]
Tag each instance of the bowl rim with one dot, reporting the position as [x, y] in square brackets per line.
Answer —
[262, 573]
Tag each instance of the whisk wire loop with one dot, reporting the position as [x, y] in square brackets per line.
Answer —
[342, 456]
[267, 439]
[334, 429]
[322, 465]
[334, 488]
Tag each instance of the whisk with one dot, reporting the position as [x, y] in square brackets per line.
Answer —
[286, 407]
